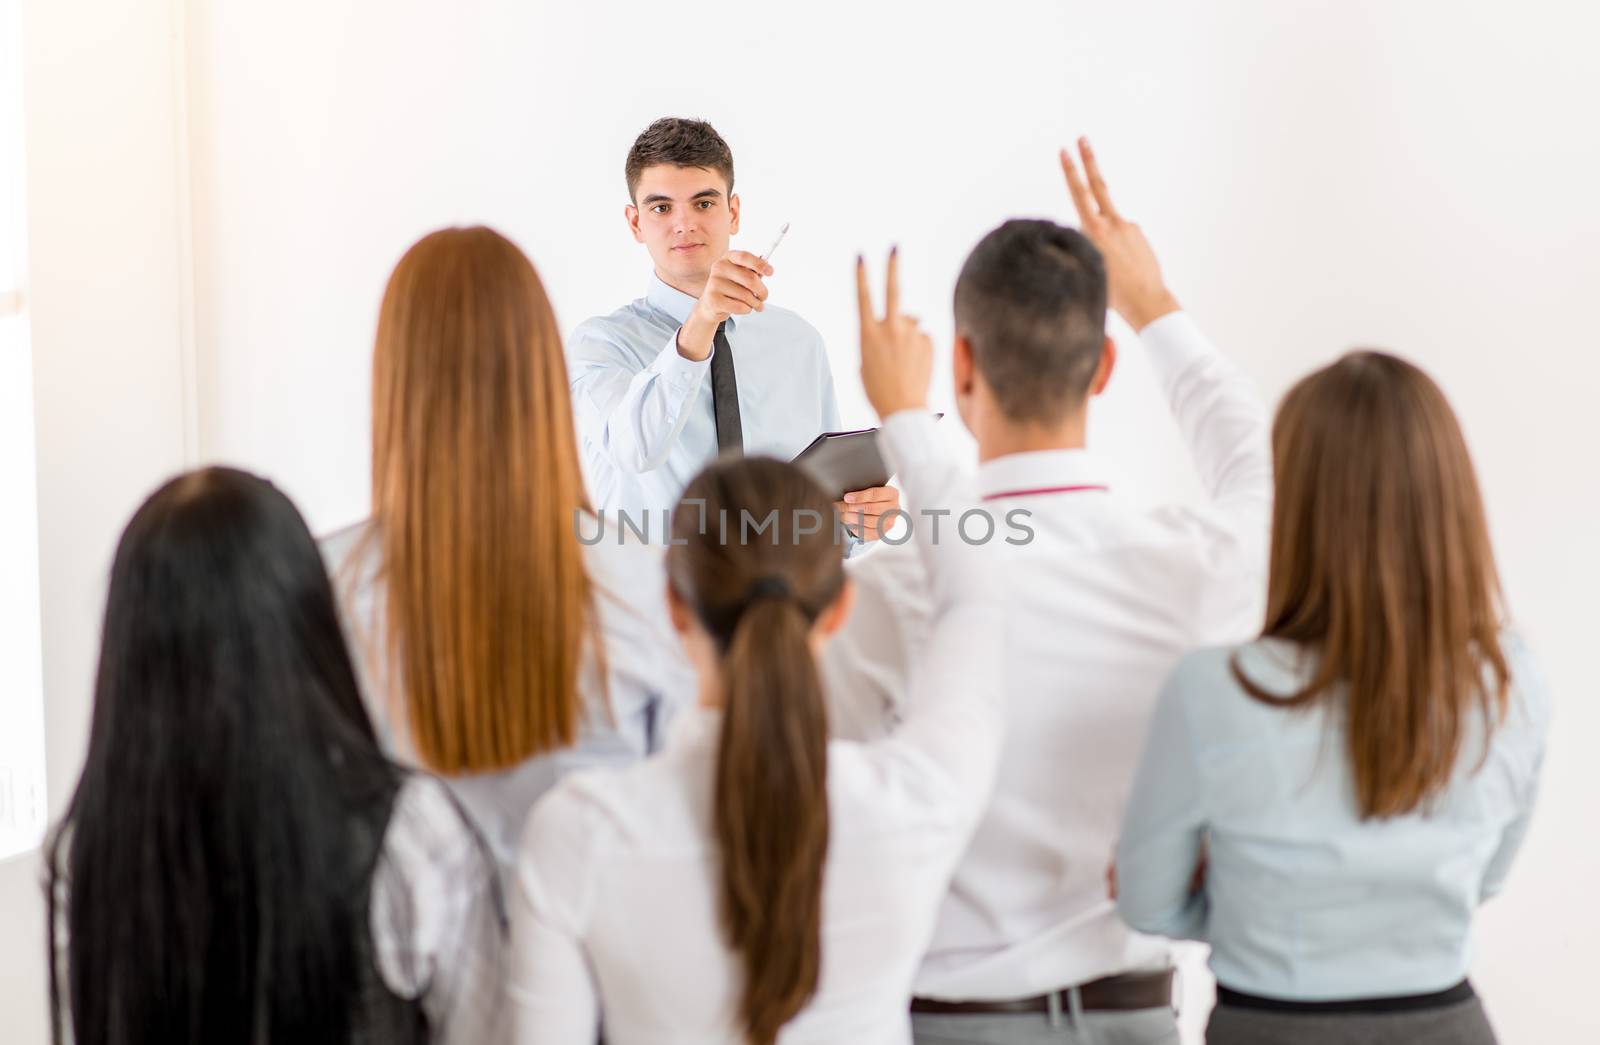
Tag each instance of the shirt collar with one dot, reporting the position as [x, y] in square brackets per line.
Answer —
[1043, 472]
[674, 302]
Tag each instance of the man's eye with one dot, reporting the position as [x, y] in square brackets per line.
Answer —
[660, 208]
[706, 204]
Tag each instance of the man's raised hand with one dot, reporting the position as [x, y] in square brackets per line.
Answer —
[1137, 291]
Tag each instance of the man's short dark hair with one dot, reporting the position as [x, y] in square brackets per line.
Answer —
[678, 142]
[1031, 301]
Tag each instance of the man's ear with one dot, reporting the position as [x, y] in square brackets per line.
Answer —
[1108, 363]
[833, 618]
[733, 213]
[631, 213]
[964, 375]
[962, 368]
[678, 610]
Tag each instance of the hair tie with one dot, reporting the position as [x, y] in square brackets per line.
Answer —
[771, 586]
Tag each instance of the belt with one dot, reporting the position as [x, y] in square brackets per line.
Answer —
[1131, 990]
[1455, 995]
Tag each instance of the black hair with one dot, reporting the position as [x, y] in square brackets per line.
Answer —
[678, 142]
[1031, 301]
[212, 869]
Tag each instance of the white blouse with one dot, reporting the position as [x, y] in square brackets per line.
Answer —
[437, 918]
[614, 905]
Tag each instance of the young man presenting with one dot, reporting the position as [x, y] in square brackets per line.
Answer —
[1104, 599]
[702, 364]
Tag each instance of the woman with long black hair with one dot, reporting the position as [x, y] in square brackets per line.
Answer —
[239, 862]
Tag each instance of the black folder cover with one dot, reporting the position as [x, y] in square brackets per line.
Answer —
[845, 461]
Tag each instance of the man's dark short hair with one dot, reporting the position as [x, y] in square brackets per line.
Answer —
[1031, 301]
[678, 142]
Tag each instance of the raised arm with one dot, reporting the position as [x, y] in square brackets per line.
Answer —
[1222, 418]
[953, 717]
[635, 414]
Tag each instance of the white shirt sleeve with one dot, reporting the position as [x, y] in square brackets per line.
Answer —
[437, 917]
[633, 416]
[553, 997]
[1226, 426]
[866, 663]
[954, 706]
[1219, 413]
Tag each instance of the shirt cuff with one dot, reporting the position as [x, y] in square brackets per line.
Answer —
[907, 438]
[1174, 341]
[678, 368]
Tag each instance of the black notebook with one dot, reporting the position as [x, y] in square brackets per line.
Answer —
[845, 461]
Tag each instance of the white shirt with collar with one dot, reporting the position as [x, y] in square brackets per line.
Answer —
[616, 899]
[644, 411]
[1102, 601]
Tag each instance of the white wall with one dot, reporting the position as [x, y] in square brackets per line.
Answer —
[105, 297]
[1317, 176]
[22, 790]
[1418, 176]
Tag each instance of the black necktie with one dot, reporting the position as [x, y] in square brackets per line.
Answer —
[725, 395]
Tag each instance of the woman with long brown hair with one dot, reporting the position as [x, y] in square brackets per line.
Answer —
[757, 881]
[1327, 805]
[503, 636]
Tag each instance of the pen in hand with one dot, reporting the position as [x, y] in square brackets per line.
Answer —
[781, 232]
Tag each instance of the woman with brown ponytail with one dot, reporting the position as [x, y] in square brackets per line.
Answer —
[758, 882]
[1327, 806]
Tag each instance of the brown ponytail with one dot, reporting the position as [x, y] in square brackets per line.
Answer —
[758, 597]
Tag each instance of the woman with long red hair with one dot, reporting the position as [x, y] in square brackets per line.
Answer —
[502, 635]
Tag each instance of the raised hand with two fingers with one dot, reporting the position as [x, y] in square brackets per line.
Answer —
[1138, 293]
[896, 356]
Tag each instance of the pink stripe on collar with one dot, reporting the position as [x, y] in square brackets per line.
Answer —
[1082, 488]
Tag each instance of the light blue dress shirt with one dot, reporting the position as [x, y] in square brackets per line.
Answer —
[644, 412]
[1303, 900]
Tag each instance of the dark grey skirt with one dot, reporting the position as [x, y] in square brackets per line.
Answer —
[1462, 1023]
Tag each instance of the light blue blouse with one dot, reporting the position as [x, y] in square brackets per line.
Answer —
[1302, 899]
